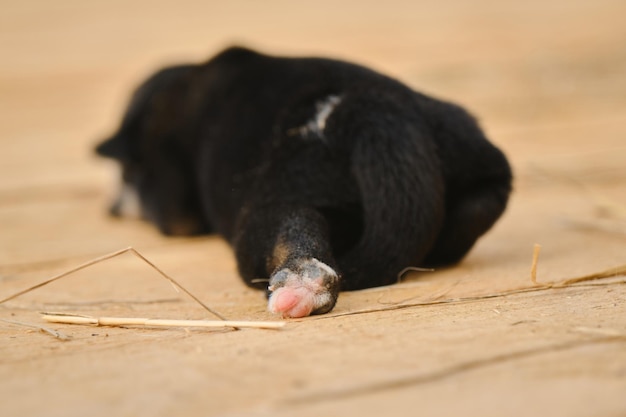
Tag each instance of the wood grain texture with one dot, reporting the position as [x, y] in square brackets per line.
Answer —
[547, 80]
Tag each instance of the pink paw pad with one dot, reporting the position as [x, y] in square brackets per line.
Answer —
[305, 292]
[292, 302]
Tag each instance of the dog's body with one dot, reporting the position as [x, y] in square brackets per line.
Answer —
[323, 175]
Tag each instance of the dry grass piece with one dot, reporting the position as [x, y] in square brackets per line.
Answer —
[138, 321]
[608, 273]
[533, 267]
[109, 256]
[112, 321]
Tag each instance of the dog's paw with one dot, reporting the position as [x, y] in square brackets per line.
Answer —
[311, 287]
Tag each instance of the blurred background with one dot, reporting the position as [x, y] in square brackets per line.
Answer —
[547, 79]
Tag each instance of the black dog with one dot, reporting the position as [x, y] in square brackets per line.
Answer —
[323, 175]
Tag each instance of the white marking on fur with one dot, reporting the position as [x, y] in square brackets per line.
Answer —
[317, 124]
[128, 203]
[325, 267]
[324, 109]
[321, 299]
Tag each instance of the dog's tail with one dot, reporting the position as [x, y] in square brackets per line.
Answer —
[397, 169]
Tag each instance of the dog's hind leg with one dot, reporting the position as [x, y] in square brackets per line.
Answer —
[469, 215]
[290, 245]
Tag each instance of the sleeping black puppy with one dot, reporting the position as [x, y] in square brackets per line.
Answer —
[323, 175]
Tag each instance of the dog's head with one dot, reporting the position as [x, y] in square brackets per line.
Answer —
[156, 155]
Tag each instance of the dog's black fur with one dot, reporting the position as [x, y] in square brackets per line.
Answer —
[294, 160]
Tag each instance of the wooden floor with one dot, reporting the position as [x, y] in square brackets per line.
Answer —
[547, 79]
